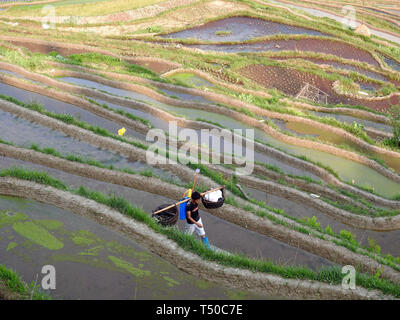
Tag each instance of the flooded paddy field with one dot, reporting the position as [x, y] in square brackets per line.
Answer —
[239, 29]
[59, 107]
[191, 114]
[340, 66]
[91, 260]
[127, 59]
[387, 240]
[350, 119]
[222, 234]
[24, 133]
[291, 81]
[339, 49]
[347, 170]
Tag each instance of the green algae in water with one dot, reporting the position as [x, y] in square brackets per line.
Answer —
[85, 238]
[11, 246]
[129, 267]
[236, 295]
[171, 282]
[38, 235]
[84, 259]
[114, 246]
[92, 251]
[8, 218]
[202, 284]
[49, 224]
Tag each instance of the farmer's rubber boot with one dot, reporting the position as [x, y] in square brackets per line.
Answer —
[205, 240]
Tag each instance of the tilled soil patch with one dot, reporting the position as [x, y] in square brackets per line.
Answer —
[291, 81]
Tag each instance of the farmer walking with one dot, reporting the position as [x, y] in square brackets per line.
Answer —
[193, 220]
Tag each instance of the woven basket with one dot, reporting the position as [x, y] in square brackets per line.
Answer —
[168, 217]
[213, 205]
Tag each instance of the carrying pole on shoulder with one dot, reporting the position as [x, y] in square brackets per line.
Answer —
[186, 200]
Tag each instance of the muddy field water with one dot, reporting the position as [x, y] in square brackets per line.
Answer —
[90, 258]
[239, 29]
[221, 233]
[387, 240]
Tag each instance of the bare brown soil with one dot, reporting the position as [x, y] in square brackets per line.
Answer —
[290, 81]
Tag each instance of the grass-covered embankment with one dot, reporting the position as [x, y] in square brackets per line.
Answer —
[330, 276]
[12, 287]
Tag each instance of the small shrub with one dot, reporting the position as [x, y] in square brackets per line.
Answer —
[347, 235]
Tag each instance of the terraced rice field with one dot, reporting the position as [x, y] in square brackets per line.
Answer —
[80, 104]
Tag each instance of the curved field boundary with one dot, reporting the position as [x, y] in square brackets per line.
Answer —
[305, 186]
[335, 87]
[221, 110]
[281, 156]
[255, 123]
[337, 14]
[377, 134]
[211, 79]
[20, 3]
[287, 117]
[232, 214]
[270, 4]
[136, 182]
[219, 98]
[144, 129]
[359, 221]
[348, 111]
[167, 249]
[329, 57]
[80, 48]
[77, 101]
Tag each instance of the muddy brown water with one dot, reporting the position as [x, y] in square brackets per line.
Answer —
[387, 240]
[241, 28]
[105, 265]
[221, 233]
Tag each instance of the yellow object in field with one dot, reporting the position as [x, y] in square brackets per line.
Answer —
[121, 131]
[189, 193]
